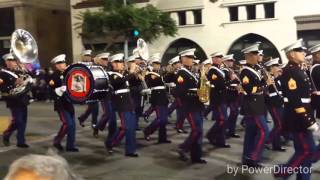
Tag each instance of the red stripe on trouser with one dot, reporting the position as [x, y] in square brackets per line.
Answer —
[221, 117]
[154, 125]
[194, 130]
[62, 132]
[260, 142]
[302, 156]
[122, 131]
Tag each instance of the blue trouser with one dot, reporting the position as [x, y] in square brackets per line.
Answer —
[194, 141]
[138, 109]
[108, 116]
[304, 147]
[233, 115]
[93, 109]
[216, 134]
[159, 122]
[173, 106]
[275, 134]
[127, 129]
[18, 122]
[68, 128]
[256, 134]
[181, 116]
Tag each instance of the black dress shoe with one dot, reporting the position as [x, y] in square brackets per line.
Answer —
[80, 122]
[58, 147]
[199, 161]
[234, 135]
[95, 133]
[222, 145]
[182, 155]
[132, 155]
[280, 149]
[164, 142]
[6, 141]
[22, 145]
[72, 150]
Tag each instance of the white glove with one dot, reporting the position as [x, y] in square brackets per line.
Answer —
[60, 90]
[314, 127]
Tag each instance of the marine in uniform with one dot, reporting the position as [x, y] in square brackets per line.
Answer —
[315, 79]
[170, 79]
[124, 105]
[253, 108]
[93, 107]
[109, 115]
[158, 100]
[63, 106]
[17, 104]
[274, 102]
[298, 116]
[217, 78]
[232, 95]
[208, 109]
[187, 85]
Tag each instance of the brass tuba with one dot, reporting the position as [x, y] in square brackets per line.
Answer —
[204, 89]
[25, 49]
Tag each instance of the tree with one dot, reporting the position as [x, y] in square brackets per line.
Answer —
[116, 20]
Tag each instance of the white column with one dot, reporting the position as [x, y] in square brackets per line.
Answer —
[260, 12]
[242, 13]
[174, 16]
[190, 17]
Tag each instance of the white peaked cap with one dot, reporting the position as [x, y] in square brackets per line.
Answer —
[243, 62]
[196, 61]
[208, 61]
[8, 56]
[59, 59]
[103, 55]
[228, 57]
[295, 45]
[216, 54]
[188, 52]
[252, 48]
[174, 60]
[87, 52]
[116, 57]
[314, 49]
[271, 62]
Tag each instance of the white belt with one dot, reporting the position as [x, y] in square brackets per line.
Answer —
[234, 85]
[171, 84]
[306, 100]
[193, 89]
[303, 100]
[275, 94]
[121, 91]
[158, 88]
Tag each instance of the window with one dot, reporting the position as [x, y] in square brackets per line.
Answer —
[251, 12]
[233, 13]
[182, 18]
[7, 23]
[197, 14]
[269, 10]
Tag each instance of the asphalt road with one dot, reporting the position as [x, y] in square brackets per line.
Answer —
[156, 162]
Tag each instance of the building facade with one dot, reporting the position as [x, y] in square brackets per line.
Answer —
[229, 25]
[48, 21]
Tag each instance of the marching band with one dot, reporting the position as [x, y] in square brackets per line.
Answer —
[221, 85]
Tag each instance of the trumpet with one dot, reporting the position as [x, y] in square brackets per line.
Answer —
[204, 90]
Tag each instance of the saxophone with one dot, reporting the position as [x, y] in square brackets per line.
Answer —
[204, 90]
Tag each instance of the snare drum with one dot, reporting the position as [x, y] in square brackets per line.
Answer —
[86, 83]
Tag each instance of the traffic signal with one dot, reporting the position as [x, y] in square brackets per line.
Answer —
[135, 33]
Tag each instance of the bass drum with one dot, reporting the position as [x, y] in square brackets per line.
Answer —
[86, 83]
